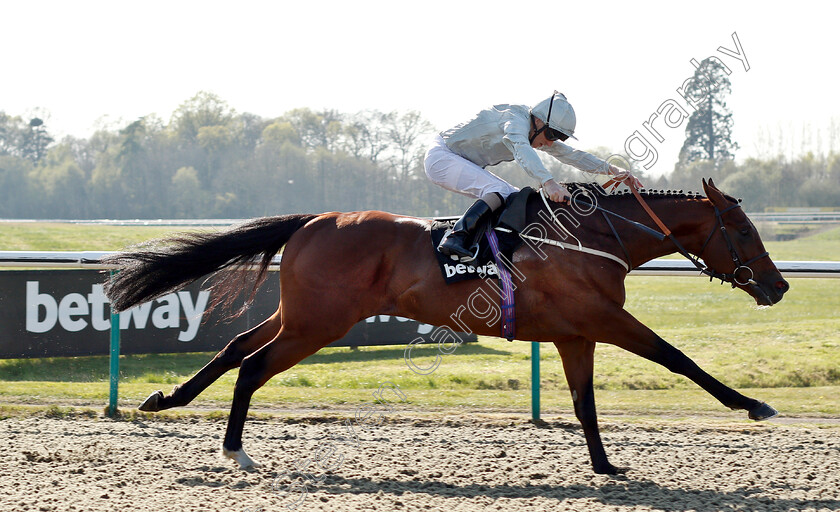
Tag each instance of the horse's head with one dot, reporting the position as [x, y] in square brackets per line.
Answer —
[734, 251]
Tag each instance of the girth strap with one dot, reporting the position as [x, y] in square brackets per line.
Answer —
[579, 248]
[508, 320]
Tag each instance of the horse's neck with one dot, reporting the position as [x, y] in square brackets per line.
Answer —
[687, 218]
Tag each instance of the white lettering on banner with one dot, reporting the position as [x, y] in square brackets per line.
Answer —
[72, 305]
[193, 312]
[76, 311]
[421, 327]
[34, 302]
[138, 313]
[166, 315]
[100, 318]
[424, 328]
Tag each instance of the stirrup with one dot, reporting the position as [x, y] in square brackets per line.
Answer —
[466, 259]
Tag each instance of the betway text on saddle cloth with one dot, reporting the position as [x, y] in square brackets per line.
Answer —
[462, 269]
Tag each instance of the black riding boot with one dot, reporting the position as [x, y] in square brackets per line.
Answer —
[460, 243]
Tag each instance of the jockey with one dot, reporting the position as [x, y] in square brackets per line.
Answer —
[504, 133]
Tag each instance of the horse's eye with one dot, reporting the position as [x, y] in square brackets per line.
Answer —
[745, 231]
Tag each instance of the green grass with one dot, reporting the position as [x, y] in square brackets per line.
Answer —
[45, 236]
[822, 246]
[788, 355]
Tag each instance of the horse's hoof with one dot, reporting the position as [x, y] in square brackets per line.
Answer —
[152, 404]
[241, 458]
[763, 412]
[609, 469]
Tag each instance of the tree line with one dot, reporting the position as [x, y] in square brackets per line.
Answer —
[209, 161]
[709, 151]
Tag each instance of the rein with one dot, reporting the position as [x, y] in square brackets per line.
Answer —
[732, 277]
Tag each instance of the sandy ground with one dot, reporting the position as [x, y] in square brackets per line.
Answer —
[444, 462]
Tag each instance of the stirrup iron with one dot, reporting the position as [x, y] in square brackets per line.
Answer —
[467, 259]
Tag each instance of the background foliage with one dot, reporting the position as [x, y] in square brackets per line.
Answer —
[209, 161]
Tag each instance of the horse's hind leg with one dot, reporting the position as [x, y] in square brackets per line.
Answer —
[279, 355]
[578, 356]
[228, 358]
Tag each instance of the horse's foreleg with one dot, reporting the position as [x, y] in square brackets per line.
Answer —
[228, 358]
[623, 330]
[279, 355]
[578, 356]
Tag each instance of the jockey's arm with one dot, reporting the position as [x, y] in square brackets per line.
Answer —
[588, 162]
[516, 139]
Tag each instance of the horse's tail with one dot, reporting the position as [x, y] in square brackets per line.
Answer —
[168, 264]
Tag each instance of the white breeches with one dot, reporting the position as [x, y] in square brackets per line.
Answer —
[456, 173]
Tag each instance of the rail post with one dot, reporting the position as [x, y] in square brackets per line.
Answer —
[114, 360]
[535, 380]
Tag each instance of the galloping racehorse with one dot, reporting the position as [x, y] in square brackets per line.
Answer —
[350, 266]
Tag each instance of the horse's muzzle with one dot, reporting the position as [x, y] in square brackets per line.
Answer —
[768, 295]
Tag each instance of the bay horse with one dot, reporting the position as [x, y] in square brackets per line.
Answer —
[340, 268]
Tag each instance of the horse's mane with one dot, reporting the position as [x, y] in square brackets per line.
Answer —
[598, 191]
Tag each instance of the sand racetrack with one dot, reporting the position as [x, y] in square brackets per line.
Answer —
[447, 462]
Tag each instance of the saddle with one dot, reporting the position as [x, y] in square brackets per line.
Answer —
[495, 255]
[510, 216]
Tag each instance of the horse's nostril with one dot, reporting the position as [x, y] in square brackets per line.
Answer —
[782, 286]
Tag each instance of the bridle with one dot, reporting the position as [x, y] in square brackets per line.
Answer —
[740, 265]
[733, 252]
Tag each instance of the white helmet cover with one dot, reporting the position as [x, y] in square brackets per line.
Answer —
[562, 114]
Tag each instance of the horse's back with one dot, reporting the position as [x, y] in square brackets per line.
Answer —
[357, 233]
[356, 249]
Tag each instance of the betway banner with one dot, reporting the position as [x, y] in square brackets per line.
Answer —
[50, 313]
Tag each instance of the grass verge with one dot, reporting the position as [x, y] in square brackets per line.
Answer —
[786, 355]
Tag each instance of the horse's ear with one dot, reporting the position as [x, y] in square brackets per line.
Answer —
[714, 195]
